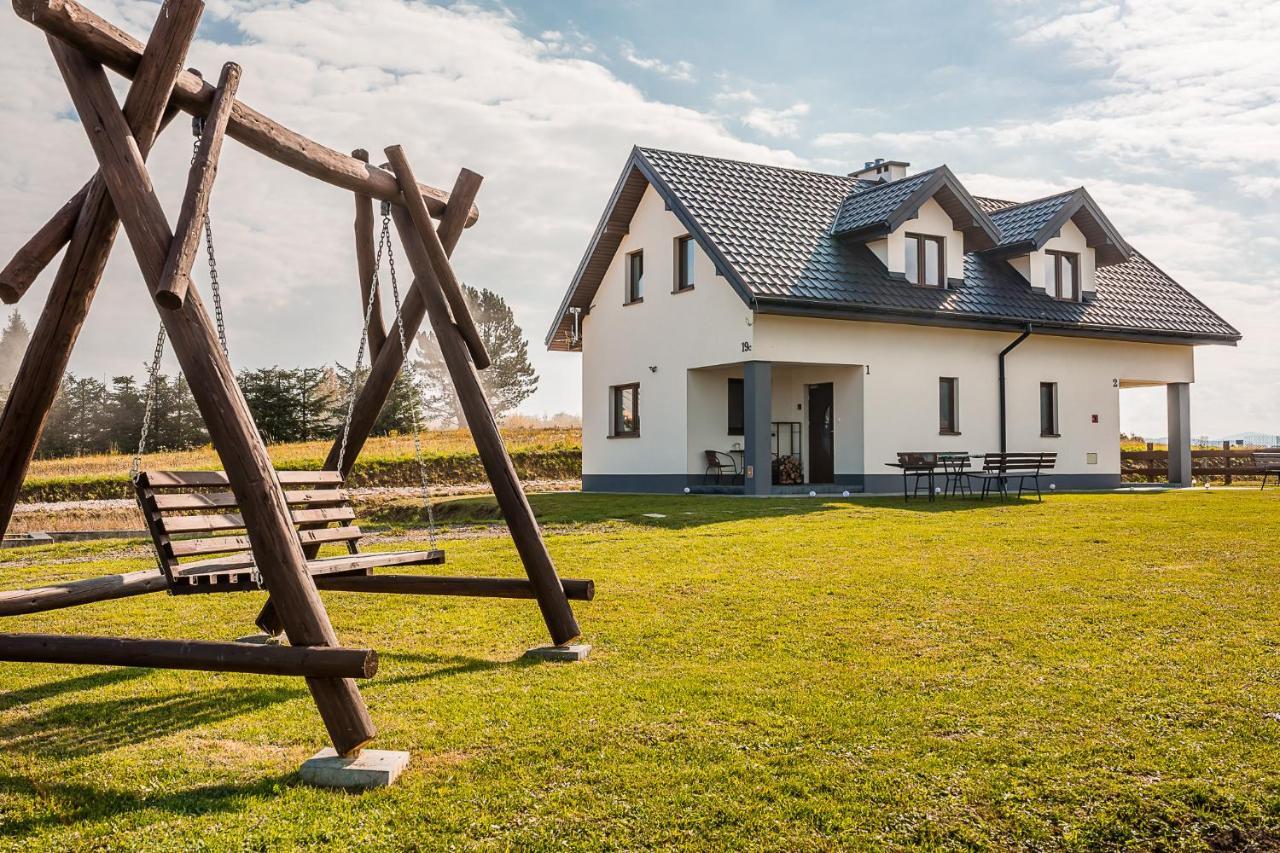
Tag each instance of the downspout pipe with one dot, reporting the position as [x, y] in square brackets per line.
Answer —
[1004, 409]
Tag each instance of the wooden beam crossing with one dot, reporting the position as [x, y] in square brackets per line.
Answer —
[176, 277]
[221, 403]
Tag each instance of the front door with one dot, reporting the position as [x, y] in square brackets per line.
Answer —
[822, 458]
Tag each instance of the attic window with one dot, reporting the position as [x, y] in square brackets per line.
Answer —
[1062, 275]
[925, 264]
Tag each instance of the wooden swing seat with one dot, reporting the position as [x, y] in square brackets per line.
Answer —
[191, 514]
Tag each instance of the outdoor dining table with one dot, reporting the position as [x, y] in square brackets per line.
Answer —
[927, 465]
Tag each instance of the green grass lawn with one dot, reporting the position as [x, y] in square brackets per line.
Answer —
[1093, 671]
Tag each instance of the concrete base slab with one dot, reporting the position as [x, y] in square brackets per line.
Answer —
[372, 768]
[574, 652]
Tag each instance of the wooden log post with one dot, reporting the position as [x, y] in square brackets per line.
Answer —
[80, 28]
[255, 658]
[578, 590]
[1226, 462]
[386, 367]
[372, 396]
[366, 267]
[556, 612]
[19, 602]
[76, 282]
[1151, 462]
[176, 277]
[439, 258]
[274, 540]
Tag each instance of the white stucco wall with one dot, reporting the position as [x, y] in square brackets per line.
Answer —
[670, 331]
[901, 365]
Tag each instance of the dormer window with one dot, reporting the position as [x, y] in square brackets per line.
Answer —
[926, 260]
[1062, 275]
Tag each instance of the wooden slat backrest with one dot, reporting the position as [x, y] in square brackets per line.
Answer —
[1266, 460]
[183, 507]
[1018, 463]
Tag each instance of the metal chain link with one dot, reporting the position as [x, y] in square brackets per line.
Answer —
[383, 240]
[153, 377]
[417, 396]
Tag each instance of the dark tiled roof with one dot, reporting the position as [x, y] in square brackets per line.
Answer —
[864, 207]
[1023, 221]
[768, 229]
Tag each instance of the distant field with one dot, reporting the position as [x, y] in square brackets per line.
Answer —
[450, 456]
[307, 454]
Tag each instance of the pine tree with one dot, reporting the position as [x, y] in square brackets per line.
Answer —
[126, 404]
[13, 345]
[507, 382]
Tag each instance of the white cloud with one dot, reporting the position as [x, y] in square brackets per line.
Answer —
[776, 123]
[549, 131]
[680, 70]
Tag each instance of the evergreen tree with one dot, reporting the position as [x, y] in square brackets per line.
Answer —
[507, 382]
[271, 396]
[126, 404]
[315, 390]
[13, 345]
[397, 413]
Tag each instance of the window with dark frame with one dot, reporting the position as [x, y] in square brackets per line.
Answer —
[635, 277]
[625, 408]
[1049, 409]
[685, 252]
[948, 406]
[926, 260]
[1062, 275]
[737, 408]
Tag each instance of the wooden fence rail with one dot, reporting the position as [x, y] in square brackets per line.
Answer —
[1227, 462]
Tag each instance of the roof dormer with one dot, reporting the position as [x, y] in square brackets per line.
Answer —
[1057, 242]
[919, 226]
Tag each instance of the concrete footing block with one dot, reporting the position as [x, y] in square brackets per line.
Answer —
[372, 768]
[574, 652]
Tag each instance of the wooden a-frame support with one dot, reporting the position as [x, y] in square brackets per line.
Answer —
[122, 192]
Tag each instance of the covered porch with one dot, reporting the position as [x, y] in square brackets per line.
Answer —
[760, 428]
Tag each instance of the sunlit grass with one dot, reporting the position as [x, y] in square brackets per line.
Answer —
[1094, 671]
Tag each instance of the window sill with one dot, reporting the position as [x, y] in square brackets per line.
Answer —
[682, 289]
[633, 302]
[1051, 435]
[625, 435]
[948, 432]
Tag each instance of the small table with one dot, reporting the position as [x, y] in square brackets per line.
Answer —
[927, 464]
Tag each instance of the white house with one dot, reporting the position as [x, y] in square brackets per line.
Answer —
[767, 313]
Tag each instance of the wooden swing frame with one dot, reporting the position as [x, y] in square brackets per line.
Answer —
[122, 193]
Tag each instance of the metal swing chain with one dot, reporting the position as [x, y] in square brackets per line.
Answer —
[384, 244]
[153, 374]
[383, 240]
[417, 401]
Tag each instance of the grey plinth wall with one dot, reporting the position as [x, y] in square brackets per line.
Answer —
[757, 399]
[1179, 433]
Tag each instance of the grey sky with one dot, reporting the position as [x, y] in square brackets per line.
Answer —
[1167, 111]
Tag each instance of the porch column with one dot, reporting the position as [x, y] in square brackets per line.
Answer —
[757, 400]
[1179, 433]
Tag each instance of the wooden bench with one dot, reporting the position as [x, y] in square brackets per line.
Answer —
[192, 517]
[999, 468]
[1268, 462]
